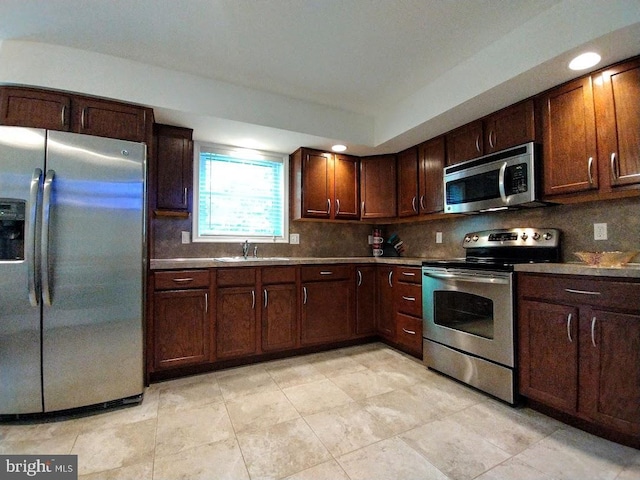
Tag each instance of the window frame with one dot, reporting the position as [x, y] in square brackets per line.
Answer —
[249, 154]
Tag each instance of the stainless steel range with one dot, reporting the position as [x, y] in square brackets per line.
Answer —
[468, 306]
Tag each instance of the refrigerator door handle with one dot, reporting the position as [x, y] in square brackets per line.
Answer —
[44, 244]
[35, 189]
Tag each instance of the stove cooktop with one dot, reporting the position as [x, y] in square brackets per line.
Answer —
[501, 249]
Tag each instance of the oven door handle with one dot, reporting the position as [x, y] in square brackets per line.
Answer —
[470, 278]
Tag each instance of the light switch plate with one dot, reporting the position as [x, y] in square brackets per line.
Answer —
[438, 237]
[294, 239]
[186, 237]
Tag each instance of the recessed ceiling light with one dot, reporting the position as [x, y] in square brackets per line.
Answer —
[585, 60]
[339, 148]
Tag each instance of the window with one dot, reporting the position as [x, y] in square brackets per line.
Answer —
[240, 195]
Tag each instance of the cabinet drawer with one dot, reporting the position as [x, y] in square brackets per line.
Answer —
[271, 275]
[599, 292]
[409, 275]
[409, 299]
[409, 332]
[180, 279]
[236, 277]
[325, 272]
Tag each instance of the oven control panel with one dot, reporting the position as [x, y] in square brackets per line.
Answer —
[513, 237]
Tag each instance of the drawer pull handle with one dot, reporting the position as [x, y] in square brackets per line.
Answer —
[409, 299]
[581, 292]
[183, 280]
[410, 332]
[326, 272]
[409, 274]
[206, 302]
[569, 328]
[593, 332]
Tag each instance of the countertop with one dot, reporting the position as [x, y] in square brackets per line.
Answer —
[631, 270]
[178, 263]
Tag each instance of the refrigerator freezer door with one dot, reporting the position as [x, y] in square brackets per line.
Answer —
[21, 154]
[92, 316]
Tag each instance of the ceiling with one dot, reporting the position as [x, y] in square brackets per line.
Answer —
[373, 61]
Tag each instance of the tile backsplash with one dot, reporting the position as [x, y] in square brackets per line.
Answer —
[321, 239]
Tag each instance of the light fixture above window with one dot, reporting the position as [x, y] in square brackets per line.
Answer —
[339, 148]
[584, 61]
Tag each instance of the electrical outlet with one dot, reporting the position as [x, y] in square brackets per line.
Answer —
[438, 237]
[294, 238]
[599, 231]
[186, 237]
[370, 239]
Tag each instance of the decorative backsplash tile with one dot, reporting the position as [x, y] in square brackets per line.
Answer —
[322, 239]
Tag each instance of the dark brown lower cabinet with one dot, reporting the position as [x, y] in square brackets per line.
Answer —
[385, 311]
[235, 322]
[181, 328]
[279, 317]
[579, 343]
[328, 302]
[365, 299]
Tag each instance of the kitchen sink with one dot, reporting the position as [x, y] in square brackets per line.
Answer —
[249, 259]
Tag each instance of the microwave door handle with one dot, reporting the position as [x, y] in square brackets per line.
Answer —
[503, 193]
[469, 278]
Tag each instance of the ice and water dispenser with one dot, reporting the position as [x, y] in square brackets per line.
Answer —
[12, 229]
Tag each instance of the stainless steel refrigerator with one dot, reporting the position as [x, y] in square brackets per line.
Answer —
[72, 258]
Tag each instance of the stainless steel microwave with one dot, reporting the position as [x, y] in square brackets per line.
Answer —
[509, 178]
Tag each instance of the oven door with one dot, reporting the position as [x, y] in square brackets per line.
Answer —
[471, 311]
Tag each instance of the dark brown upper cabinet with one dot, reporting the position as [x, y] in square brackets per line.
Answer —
[378, 186]
[511, 126]
[569, 138]
[408, 200]
[617, 96]
[173, 168]
[29, 107]
[324, 185]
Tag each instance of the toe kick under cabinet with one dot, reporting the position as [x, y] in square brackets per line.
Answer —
[579, 347]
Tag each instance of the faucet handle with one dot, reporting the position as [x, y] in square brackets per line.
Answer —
[255, 251]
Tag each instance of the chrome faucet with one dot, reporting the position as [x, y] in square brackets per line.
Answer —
[245, 249]
[255, 251]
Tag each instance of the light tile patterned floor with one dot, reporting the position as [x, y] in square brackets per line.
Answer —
[365, 412]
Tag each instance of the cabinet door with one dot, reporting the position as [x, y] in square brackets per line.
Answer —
[109, 119]
[617, 95]
[347, 197]
[24, 107]
[181, 328]
[465, 143]
[327, 311]
[365, 299]
[408, 182]
[548, 340]
[317, 173]
[385, 314]
[431, 161]
[236, 322]
[174, 167]
[610, 369]
[378, 186]
[279, 317]
[569, 132]
[509, 127]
